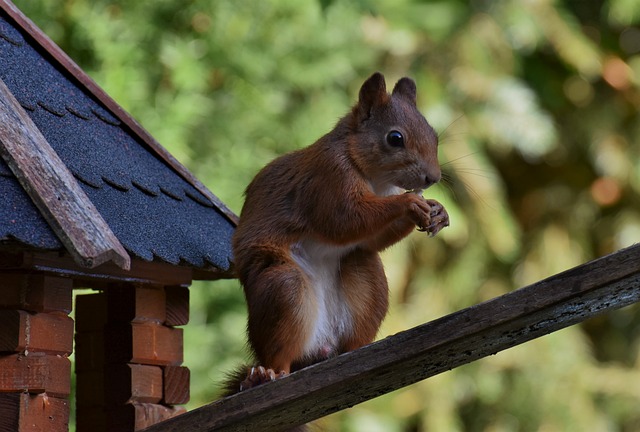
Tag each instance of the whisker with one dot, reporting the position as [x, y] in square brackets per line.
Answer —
[451, 137]
[458, 158]
[447, 182]
[450, 181]
[441, 134]
[477, 172]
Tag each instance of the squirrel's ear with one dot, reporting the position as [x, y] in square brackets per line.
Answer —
[372, 93]
[406, 88]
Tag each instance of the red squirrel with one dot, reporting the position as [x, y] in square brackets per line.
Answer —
[306, 247]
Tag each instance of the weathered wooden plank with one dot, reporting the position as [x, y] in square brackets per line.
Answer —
[562, 300]
[35, 292]
[136, 303]
[24, 412]
[21, 331]
[83, 79]
[128, 383]
[137, 416]
[53, 189]
[35, 373]
[145, 343]
[157, 273]
[176, 382]
[177, 305]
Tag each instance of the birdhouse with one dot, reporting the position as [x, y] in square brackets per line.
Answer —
[91, 200]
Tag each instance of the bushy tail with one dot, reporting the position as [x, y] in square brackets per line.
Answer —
[233, 381]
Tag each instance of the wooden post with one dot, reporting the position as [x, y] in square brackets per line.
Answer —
[36, 338]
[91, 318]
[129, 356]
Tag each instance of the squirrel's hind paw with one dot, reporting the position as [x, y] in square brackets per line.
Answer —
[259, 375]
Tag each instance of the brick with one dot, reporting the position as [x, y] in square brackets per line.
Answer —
[36, 292]
[136, 303]
[89, 351]
[133, 383]
[35, 373]
[137, 416]
[41, 332]
[176, 381]
[23, 412]
[177, 305]
[91, 312]
[144, 343]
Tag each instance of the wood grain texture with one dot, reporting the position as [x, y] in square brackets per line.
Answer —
[177, 305]
[35, 373]
[145, 343]
[562, 300]
[176, 382]
[137, 416]
[141, 271]
[54, 190]
[35, 292]
[126, 383]
[23, 412]
[21, 331]
[136, 303]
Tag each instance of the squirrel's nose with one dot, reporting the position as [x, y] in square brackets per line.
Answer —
[432, 178]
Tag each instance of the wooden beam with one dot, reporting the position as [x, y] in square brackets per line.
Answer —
[35, 373]
[25, 332]
[176, 381]
[562, 300]
[25, 412]
[54, 190]
[53, 263]
[35, 292]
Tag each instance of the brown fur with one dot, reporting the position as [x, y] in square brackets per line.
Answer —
[332, 194]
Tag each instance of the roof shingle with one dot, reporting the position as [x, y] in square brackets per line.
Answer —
[155, 213]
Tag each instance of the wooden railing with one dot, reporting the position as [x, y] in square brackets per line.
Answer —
[554, 303]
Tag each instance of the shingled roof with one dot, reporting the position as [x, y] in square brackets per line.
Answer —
[154, 206]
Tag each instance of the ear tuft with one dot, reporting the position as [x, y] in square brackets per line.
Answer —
[406, 89]
[372, 93]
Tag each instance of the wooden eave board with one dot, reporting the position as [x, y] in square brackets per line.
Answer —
[156, 214]
[53, 189]
[83, 79]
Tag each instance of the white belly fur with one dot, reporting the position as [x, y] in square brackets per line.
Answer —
[321, 263]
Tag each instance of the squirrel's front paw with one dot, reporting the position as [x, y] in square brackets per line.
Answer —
[439, 218]
[259, 375]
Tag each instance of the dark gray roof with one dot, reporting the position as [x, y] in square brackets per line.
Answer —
[155, 213]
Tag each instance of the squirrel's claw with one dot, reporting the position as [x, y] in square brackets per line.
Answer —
[260, 375]
[439, 219]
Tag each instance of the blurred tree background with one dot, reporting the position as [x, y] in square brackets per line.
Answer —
[536, 103]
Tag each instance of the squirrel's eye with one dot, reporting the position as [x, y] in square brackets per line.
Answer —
[395, 139]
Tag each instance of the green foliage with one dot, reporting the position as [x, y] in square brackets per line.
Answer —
[537, 107]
